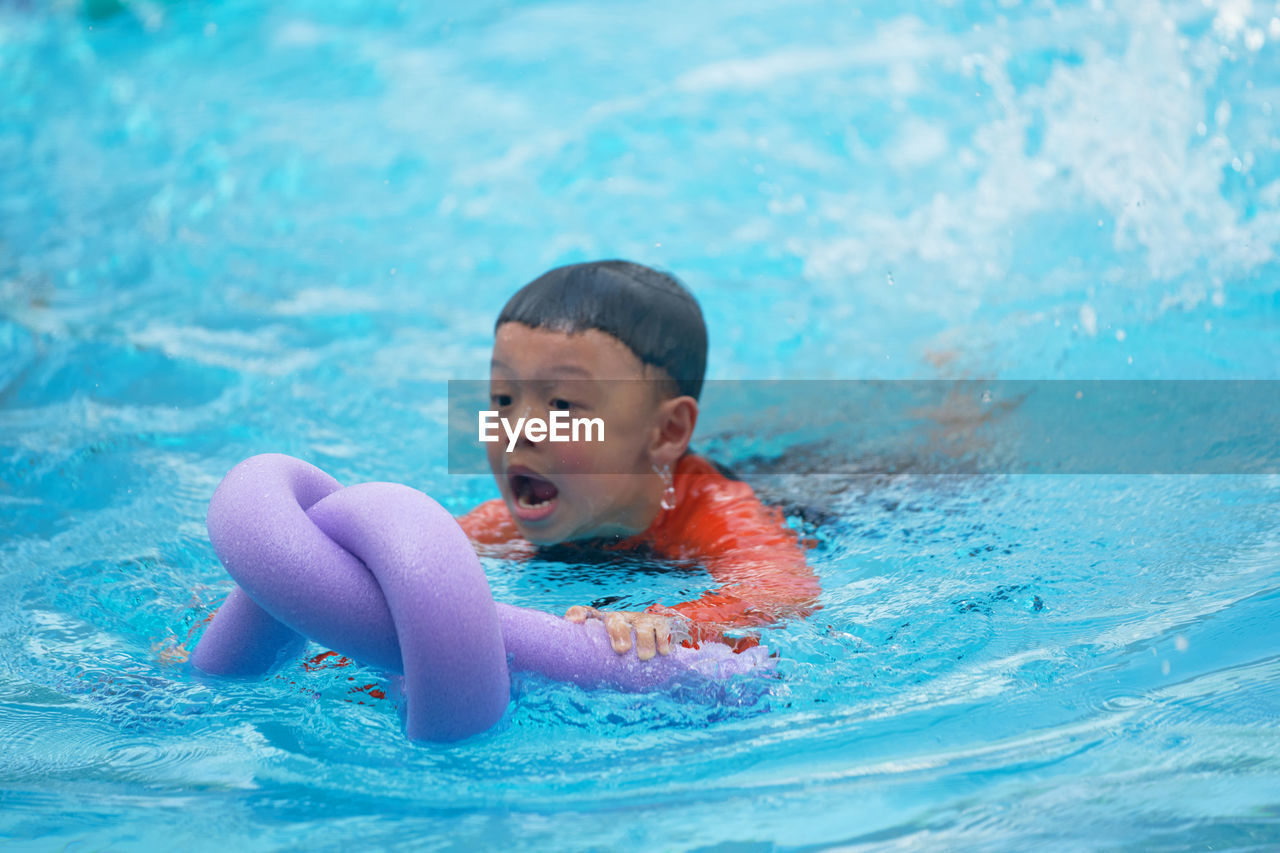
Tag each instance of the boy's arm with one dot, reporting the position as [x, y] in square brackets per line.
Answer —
[760, 583]
[757, 561]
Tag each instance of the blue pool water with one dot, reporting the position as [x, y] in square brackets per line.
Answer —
[231, 227]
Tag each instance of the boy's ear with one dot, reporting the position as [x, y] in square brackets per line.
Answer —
[674, 423]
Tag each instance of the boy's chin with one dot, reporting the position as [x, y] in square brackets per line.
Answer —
[540, 536]
[544, 529]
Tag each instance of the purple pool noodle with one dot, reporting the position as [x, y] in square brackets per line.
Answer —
[583, 654]
[381, 573]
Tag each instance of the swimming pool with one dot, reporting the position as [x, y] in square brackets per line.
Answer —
[232, 228]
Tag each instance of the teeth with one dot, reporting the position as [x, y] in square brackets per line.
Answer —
[525, 495]
[524, 502]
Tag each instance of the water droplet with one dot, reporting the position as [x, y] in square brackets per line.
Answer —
[1088, 320]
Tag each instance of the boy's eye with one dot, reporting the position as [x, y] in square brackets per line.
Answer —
[500, 400]
[561, 404]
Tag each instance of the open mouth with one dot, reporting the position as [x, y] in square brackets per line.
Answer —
[534, 495]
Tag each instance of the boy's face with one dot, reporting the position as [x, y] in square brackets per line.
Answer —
[560, 491]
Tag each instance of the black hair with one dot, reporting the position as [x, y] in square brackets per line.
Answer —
[650, 311]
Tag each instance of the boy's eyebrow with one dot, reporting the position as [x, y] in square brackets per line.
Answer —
[559, 369]
[573, 370]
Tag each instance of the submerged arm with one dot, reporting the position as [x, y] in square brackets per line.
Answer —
[759, 586]
[760, 566]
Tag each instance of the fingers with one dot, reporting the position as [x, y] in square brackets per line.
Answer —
[619, 628]
[652, 632]
[653, 636]
[580, 613]
[645, 641]
[664, 640]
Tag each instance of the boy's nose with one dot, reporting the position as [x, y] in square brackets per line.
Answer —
[529, 411]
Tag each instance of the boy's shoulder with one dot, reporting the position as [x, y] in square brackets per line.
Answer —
[698, 479]
[714, 511]
[490, 523]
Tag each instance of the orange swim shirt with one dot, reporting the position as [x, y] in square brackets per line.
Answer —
[756, 560]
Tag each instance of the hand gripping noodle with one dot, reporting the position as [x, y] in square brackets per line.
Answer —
[381, 573]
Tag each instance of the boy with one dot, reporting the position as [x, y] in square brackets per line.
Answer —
[627, 344]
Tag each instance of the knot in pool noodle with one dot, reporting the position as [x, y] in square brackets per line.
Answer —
[383, 574]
